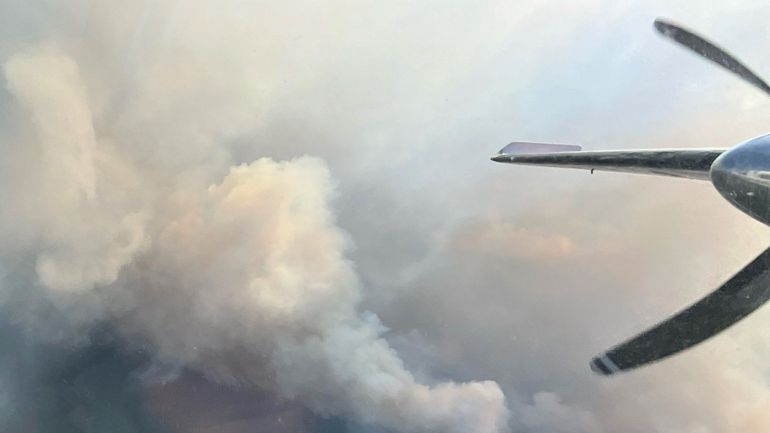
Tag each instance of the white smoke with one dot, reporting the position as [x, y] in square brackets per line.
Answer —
[249, 279]
[239, 273]
[87, 231]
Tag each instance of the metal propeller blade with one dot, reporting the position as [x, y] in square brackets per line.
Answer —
[737, 298]
[710, 51]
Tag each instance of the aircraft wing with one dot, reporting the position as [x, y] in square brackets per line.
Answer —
[686, 163]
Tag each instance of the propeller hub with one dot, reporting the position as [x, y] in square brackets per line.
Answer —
[742, 176]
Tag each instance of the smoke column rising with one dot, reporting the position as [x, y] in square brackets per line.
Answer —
[128, 213]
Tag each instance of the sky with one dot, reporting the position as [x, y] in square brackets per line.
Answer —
[258, 216]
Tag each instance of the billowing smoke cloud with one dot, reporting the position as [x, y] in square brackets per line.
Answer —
[250, 279]
[242, 277]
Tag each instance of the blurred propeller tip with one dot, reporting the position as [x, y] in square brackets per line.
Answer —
[664, 27]
[604, 366]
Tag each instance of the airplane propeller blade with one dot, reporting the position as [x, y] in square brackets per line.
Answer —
[709, 51]
[737, 298]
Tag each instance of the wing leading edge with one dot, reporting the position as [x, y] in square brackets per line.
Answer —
[686, 163]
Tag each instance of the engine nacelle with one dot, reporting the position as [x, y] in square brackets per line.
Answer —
[742, 176]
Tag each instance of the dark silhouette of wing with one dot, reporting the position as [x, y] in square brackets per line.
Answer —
[687, 163]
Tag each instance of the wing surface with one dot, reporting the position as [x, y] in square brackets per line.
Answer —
[685, 163]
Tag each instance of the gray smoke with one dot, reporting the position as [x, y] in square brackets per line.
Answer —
[129, 214]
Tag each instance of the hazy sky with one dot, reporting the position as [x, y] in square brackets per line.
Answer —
[256, 216]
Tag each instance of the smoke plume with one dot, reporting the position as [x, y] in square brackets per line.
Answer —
[240, 273]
